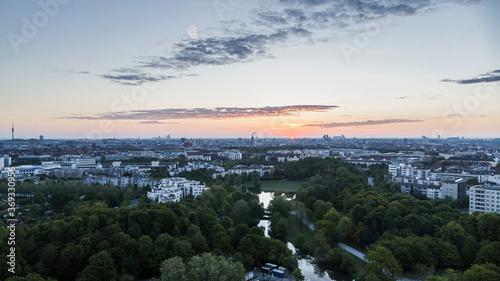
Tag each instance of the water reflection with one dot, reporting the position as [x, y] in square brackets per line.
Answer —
[312, 270]
[265, 198]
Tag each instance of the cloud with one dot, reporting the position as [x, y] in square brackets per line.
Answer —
[135, 79]
[133, 76]
[362, 123]
[73, 71]
[433, 96]
[492, 76]
[154, 122]
[209, 51]
[274, 23]
[153, 115]
[193, 32]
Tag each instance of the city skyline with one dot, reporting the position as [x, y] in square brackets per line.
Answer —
[273, 69]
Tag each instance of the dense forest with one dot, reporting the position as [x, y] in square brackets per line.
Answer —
[91, 229]
[72, 231]
[400, 233]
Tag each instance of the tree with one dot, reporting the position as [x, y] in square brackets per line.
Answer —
[395, 188]
[469, 249]
[255, 179]
[346, 226]
[278, 205]
[299, 241]
[29, 277]
[49, 257]
[239, 232]
[489, 253]
[482, 272]
[382, 263]
[332, 216]
[38, 197]
[206, 267]
[101, 267]
[341, 260]
[183, 249]
[241, 212]
[173, 269]
[321, 208]
[162, 249]
[472, 181]
[449, 275]
[298, 274]
[209, 267]
[488, 225]
[281, 229]
[237, 181]
[71, 262]
[146, 249]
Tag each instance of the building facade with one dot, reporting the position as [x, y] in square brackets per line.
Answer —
[484, 198]
[174, 189]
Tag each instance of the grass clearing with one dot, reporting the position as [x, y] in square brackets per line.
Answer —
[290, 186]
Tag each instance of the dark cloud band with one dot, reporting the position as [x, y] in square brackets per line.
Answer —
[362, 123]
[277, 24]
[205, 113]
[492, 76]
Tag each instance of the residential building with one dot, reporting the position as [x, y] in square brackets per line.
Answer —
[232, 154]
[456, 189]
[484, 198]
[7, 160]
[174, 189]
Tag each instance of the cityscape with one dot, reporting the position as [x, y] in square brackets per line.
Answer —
[232, 140]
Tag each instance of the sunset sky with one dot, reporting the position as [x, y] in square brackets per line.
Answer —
[228, 68]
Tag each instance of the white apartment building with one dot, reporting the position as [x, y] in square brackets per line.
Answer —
[484, 199]
[7, 160]
[261, 169]
[407, 170]
[433, 192]
[84, 160]
[174, 189]
[232, 154]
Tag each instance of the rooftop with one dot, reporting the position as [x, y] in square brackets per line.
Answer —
[490, 187]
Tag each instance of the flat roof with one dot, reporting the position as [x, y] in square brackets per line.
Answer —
[491, 187]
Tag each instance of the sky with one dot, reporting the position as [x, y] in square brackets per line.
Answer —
[233, 68]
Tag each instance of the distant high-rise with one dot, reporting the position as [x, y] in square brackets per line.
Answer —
[12, 131]
[41, 137]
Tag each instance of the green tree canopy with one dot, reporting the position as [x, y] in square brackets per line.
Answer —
[205, 267]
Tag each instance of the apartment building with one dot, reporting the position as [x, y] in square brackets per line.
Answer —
[484, 198]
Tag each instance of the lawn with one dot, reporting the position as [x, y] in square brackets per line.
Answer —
[290, 186]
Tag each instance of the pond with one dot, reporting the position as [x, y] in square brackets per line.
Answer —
[311, 269]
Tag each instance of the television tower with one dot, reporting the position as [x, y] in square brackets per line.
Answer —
[12, 131]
